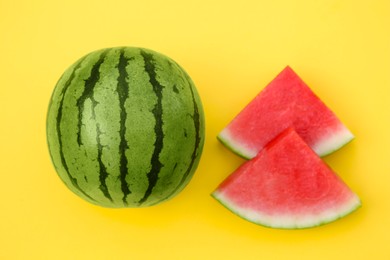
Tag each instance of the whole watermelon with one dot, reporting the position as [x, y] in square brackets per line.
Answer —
[125, 127]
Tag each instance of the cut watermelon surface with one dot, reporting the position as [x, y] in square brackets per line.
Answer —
[287, 185]
[285, 102]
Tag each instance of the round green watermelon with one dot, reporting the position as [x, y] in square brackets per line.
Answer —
[125, 127]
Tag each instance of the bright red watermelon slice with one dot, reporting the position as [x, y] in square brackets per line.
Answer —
[286, 101]
[287, 186]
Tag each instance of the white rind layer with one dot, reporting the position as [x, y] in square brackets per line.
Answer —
[325, 146]
[333, 142]
[237, 147]
[290, 221]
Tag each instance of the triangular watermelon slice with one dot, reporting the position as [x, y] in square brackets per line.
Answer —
[287, 185]
[286, 101]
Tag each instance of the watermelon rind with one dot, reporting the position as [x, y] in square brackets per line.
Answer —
[290, 221]
[333, 142]
[327, 145]
[235, 147]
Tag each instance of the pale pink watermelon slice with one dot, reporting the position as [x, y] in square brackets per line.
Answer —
[286, 101]
[287, 185]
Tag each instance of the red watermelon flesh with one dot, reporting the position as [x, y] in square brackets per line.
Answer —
[286, 101]
[287, 185]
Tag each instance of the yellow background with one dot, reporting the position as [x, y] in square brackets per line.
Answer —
[231, 49]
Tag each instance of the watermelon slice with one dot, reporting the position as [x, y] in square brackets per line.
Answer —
[287, 185]
[286, 101]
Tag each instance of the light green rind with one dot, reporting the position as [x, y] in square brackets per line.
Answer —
[354, 204]
[343, 139]
[232, 148]
[100, 127]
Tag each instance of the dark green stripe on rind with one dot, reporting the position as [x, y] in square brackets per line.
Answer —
[89, 86]
[88, 91]
[103, 174]
[157, 112]
[194, 154]
[123, 93]
[59, 135]
[198, 123]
